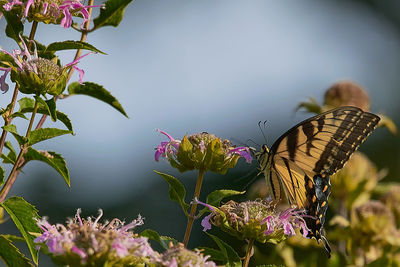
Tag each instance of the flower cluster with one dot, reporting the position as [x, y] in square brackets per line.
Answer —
[51, 11]
[201, 151]
[89, 242]
[257, 220]
[36, 75]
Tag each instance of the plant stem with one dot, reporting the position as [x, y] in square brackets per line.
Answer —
[248, 253]
[77, 55]
[12, 177]
[193, 208]
[8, 119]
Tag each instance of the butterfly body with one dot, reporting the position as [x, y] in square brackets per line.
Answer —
[302, 159]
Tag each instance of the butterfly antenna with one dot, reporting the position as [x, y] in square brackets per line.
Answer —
[262, 129]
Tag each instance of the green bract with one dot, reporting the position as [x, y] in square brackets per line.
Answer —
[49, 79]
[204, 151]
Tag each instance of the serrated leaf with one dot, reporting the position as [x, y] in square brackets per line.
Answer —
[70, 44]
[14, 26]
[11, 157]
[214, 198]
[24, 216]
[26, 106]
[51, 158]
[11, 128]
[231, 257]
[42, 134]
[11, 255]
[177, 191]
[112, 14]
[25, 103]
[49, 106]
[96, 91]
[164, 241]
[19, 114]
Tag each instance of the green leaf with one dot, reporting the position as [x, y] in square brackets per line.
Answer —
[14, 26]
[51, 104]
[96, 91]
[11, 255]
[162, 240]
[11, 128]
[177, 191]
[1, 176]
[52, 158]
[25, 103]
[24, 215]
[14, 238]
[11, 157]
[231, 257]
[215, 255]
[26, 106]
[19, 114]
[42, 134]
[214, 198]
[112, 14]
[70, 44]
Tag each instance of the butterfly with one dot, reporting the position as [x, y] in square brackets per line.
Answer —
[302, 160]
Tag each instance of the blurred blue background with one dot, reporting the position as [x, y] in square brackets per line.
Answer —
[215, 66]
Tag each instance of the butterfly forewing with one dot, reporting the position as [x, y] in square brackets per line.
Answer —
[302, 159]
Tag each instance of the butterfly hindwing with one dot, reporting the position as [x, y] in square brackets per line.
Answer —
[318, 190]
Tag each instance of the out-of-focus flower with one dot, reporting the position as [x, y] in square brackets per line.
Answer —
[90, 243]
[179, 256]
[51, 11]
[355, 181]
[257, 220]
[391, 199]
[372, 230]
[36, 75]
[201, 151]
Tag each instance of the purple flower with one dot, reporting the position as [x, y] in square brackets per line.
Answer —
[52, 11]
[180, 256]
[167, 149]
[255, 220]
[243, 152]
[90, 240]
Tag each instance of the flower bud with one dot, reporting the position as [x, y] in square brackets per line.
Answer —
[40, 76]
[201, 151]
[347, 93]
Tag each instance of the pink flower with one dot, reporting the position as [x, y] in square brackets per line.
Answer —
[90, 237]
[167, 149]
[46, 10]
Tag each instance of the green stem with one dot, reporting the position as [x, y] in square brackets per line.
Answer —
[12, 177]
[8, 119]
[248, 253]
[194, 207]
[77, 55]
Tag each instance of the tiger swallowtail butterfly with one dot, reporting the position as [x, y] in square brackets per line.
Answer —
[302, 160]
